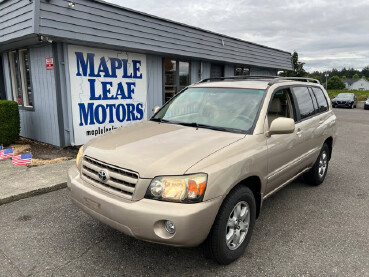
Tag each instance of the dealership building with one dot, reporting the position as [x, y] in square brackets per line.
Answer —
[81, 68]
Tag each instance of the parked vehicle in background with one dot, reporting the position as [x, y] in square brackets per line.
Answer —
[344, 100]
[201, 167]
[366, 104]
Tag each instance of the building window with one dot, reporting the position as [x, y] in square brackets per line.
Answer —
[176, 77]
[21, 78]
[241, 71]
[216, 71]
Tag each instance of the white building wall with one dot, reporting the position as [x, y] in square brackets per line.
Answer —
[360, 84]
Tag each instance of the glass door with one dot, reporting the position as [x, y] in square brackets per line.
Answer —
[176, 77]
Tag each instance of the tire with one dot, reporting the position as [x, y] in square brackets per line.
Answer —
[316, 175]
[352, 106]
[215, 245]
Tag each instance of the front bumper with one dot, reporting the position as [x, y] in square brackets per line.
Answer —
[344, 105]
[144, 219]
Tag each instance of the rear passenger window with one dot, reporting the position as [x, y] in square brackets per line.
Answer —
[322, 101]
[304, 101]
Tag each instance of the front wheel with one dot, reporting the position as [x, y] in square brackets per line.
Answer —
[317, 173]
[232, 228]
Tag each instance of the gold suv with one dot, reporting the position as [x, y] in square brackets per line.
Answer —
[199, 170]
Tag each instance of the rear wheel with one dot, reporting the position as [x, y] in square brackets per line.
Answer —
[232, 228]
[317, 173]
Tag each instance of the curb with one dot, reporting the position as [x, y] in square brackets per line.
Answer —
[32, 193]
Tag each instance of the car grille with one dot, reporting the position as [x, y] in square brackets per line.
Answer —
[119, 181]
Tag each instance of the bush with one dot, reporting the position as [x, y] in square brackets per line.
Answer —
[9, 122]
[335, 83]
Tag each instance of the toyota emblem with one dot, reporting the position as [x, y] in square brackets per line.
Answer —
[103, 176]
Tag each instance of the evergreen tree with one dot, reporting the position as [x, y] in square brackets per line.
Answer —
[298, 67]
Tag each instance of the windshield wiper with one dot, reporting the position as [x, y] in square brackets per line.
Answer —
[204, 126]
[161, 120]
[217, 128]
[197, 125]
[190, 124]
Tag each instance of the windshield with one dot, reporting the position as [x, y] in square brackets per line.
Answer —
[344, 95]
[229, 109]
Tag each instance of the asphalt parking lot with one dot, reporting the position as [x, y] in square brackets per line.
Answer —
[302, 231]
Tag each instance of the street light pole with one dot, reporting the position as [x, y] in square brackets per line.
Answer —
[326, 80]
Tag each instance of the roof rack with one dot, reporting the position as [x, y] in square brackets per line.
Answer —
[275, 80]
[304, 79]
[236, 78]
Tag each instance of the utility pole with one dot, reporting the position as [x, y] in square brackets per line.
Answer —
[326, 80]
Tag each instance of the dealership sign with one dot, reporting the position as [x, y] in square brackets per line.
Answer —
[108, 90]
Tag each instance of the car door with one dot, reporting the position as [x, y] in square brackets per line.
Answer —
[322, 116]
[306, 127]
[282, 152]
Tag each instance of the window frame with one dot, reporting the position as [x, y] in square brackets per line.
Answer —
[326, 101]
[19, 72]
[247, 132]
[215, 64]
[297, 105]
[296, 112]
[314, 99]
[177, 85]
[243, 68]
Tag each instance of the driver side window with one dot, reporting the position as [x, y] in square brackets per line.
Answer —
[281, 105]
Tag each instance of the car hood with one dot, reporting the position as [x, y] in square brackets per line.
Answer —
[152, 148]
[343, 99]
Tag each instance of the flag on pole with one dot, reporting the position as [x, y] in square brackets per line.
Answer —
[22, 159]
[6, 153]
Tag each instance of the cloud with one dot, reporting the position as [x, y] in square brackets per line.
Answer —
[326, 34]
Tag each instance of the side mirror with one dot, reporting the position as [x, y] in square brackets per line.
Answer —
[156, 109]
[281, 125]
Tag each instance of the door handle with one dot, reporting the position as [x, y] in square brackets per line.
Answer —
[299, 132]
[321, 121]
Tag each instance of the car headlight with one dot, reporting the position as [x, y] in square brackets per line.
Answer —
[185, 188]
[79, 158]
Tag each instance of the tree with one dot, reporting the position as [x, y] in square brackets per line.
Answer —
[298, 67]
[335, 83]
[344, 77]
[356, 76]
[365, 71]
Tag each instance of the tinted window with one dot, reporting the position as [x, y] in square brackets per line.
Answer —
[304, 101]
[322, 101]
[315, 103]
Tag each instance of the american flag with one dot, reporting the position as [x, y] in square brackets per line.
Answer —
[22, 159]
[6, 153]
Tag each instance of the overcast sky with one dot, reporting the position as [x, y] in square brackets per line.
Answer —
[326, 34]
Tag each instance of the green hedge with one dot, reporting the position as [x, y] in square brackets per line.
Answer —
[360, 94]
[9, 122]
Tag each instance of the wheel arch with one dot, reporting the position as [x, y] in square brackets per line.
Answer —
[254, 184]
[329, 142]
